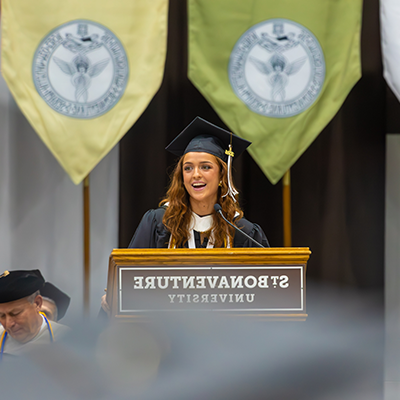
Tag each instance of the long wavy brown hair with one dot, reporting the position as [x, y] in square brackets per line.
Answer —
[178, 213]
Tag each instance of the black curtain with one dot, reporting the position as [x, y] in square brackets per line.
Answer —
[337, 184]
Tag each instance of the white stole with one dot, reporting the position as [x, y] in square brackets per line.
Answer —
[201, 224]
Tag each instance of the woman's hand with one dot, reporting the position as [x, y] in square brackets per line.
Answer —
[104, 304]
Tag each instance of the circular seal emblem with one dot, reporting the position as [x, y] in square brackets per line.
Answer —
[277, 68]
[80, 69]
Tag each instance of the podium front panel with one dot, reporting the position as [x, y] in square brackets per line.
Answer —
[267, 283]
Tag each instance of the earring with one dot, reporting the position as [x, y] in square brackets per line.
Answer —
[220, 184]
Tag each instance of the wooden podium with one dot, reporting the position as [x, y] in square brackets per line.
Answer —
[257, 283]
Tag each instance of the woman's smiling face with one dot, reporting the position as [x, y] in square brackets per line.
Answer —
[201, 176]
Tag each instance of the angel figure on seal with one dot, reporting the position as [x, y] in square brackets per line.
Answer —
[81, 72]
[279, 69]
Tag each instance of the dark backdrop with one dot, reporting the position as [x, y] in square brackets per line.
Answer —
[337, 184]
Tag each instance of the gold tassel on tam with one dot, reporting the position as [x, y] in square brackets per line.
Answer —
[231, 190]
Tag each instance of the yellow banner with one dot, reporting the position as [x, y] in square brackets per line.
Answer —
[82, 72]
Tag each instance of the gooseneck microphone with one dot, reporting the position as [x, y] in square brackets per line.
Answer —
[218, 209]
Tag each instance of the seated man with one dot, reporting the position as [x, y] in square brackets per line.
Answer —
[23, 324]
[55, 302]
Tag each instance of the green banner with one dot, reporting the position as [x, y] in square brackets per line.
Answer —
[276, 72]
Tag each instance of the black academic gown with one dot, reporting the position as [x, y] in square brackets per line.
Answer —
[151, 232]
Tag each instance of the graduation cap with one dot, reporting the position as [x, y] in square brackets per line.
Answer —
[202, 136]
[15, 285]
[59, 297]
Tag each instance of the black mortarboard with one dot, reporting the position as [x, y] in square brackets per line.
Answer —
[203, 136]
[15, 285]
[60, 298]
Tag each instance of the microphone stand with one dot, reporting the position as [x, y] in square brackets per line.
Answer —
[218, 209]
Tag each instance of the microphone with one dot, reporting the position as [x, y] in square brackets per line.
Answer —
[218, 209]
